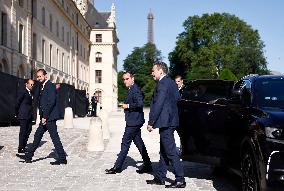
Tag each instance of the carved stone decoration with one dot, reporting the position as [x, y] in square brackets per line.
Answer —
[111, 19]
[82, 5]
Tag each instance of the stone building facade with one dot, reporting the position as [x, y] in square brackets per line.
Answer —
[70, 39]
[103, 57]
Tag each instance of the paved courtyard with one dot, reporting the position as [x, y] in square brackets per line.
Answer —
[85, 170]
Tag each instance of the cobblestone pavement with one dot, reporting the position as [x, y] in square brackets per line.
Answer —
[85, 170]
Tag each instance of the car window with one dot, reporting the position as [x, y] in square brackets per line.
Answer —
[270, 93]
[206, 91]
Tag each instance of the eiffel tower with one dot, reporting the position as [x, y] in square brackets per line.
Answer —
[150, 27]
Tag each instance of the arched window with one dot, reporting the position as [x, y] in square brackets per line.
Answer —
[21, 71]
[98, 57]
[98, 95]
[4, 67]
[1, 67]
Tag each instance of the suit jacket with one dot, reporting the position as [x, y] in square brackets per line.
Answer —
[134, 115]
[48, 106]
[163, 108]
[24, 105]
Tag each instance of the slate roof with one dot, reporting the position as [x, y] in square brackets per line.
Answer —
[97, 19]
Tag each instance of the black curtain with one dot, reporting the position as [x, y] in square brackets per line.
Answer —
[65, 98]
[80, 103]
[8, 96]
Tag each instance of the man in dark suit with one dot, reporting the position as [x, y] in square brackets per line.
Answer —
[179, 82]
[164, 116]
[48, 111]
[24, 114]
[94, 105]
[134, 117]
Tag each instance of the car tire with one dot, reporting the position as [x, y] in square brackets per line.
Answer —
[249, 173]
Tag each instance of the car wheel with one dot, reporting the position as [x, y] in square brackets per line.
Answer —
[249, 173]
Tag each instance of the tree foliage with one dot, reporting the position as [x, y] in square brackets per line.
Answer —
[212, 42]
[227, 74]
[122, 91]
[140, 63]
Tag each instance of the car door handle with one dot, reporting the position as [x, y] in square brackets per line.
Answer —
[209, 112]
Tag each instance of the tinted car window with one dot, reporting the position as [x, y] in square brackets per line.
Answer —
[270, 93]
[206, 91]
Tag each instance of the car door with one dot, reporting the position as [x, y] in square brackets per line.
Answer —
[203, 119]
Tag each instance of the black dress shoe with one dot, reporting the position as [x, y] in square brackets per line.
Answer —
[58, 162]
[22, 150]
[155, 181]
[113, 170]
[145, 169]
[176, 185]
[21, 156]
[28, 160]
[25, 158]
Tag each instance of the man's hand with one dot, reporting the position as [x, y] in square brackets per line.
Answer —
[43, 121]
[150, 128]
[124, 106]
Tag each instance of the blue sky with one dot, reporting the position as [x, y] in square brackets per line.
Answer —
[131, 16]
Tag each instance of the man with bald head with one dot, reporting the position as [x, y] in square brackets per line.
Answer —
[24, 114]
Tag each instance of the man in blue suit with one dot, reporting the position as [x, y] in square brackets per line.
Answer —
[24, 113]
[134, 117]
[164, 116]
[48, 111]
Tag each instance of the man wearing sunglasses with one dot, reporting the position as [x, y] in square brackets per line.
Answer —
[134, 118]
[24, 114]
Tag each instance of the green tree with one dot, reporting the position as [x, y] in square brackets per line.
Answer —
[212, 42]
[122, 91]
[148, 90]
[227, 74]
[140, 63]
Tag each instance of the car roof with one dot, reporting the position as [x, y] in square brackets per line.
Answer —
[256, 76]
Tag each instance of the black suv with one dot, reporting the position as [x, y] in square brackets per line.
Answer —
[238, 126]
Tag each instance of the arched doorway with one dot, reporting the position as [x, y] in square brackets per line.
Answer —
[57, 80]
[21, 71]
[4, 66]
[52, 79]
[1, 67]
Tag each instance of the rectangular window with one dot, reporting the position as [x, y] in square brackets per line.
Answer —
[73, 43]
[99, 38]
[98, 78]
[21, 38]
[62, 34]
[43, 51]
[57, 28]
[68, 38]
[50, 22]
[34, 11]
[77, 42]
[34, 46]
[43, 16]
[50, 54]
[21, 3]
[57, 56]
[84, 54]
[62, 66]
[4, 28]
